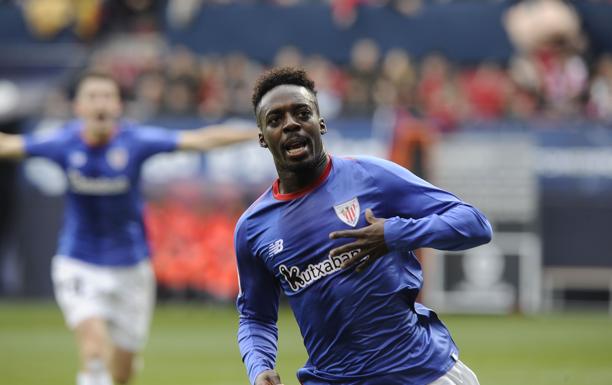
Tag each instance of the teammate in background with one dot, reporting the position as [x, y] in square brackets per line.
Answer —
[102, 277]
[336, 236]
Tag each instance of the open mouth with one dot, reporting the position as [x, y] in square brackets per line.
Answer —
[101, 116]
[296, 147]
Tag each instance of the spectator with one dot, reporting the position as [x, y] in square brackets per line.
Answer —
[548, 36]
[148, 96]
[486, 91]
[438, 93]
[330, 83]
[213, 99]
[288, 56]
[180, 97]
[240, 73]
[398, 69]
[183, 83]
[181, 12]
[600, 93]
[47, 18]
[362, 74]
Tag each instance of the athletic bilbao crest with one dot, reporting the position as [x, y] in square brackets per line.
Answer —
[348, 212]
[117, 158]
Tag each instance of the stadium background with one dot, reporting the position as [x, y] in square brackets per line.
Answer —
[509, 107]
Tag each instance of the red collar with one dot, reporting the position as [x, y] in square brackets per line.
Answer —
[297, 194]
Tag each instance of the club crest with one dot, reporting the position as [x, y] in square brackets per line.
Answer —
[77, 159]
[348, 212]
[117, 158]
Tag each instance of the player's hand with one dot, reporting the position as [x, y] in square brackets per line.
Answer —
[268, 377]
[370, 240]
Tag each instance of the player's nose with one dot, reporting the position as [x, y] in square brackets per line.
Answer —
[290, 123]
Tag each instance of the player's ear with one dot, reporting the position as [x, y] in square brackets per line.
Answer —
[262, 141]
[323, 126]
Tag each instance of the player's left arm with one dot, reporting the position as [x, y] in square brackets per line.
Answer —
[420, 215]
[209, 137]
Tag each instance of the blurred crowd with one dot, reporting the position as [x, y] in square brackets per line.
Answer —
[550, 76]
[554, 83]
[91, 17]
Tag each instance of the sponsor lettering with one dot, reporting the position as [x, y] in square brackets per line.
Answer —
[98, 186]
[300, 279]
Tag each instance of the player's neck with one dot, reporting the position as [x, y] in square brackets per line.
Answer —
[94, 137]
[291, 181]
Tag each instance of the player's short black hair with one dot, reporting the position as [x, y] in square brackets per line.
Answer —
[92, 74]
[280, 76]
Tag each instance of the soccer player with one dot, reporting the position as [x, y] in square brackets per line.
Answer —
[102, 277]
[336, 236]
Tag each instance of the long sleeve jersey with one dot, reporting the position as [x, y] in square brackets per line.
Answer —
[103, 218]
[356, 327]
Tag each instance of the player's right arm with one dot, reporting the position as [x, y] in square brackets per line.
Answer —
[12, 146]
[257, 304]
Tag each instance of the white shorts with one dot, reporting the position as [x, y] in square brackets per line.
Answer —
[123, 296]
[459, 374]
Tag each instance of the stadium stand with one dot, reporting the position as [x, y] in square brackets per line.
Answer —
[421, 75]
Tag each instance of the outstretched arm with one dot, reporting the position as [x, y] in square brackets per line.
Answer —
[210, 137]
[12, 146]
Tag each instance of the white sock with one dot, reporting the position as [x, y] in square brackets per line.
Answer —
[96, 374]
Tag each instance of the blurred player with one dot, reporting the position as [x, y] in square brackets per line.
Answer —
[337, 235]
[102, 277]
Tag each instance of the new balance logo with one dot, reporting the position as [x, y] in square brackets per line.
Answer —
[275, 247]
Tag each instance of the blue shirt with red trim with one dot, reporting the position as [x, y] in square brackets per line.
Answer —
[103, 218]
[357, 327]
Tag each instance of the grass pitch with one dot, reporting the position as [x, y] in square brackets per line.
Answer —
[196, 345]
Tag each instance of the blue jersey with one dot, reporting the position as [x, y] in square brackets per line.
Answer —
[358, 328]
[103, 219]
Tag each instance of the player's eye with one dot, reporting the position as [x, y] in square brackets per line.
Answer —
[304, 114]
[273, 120]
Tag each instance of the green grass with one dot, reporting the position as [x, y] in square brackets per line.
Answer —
[196, 345]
